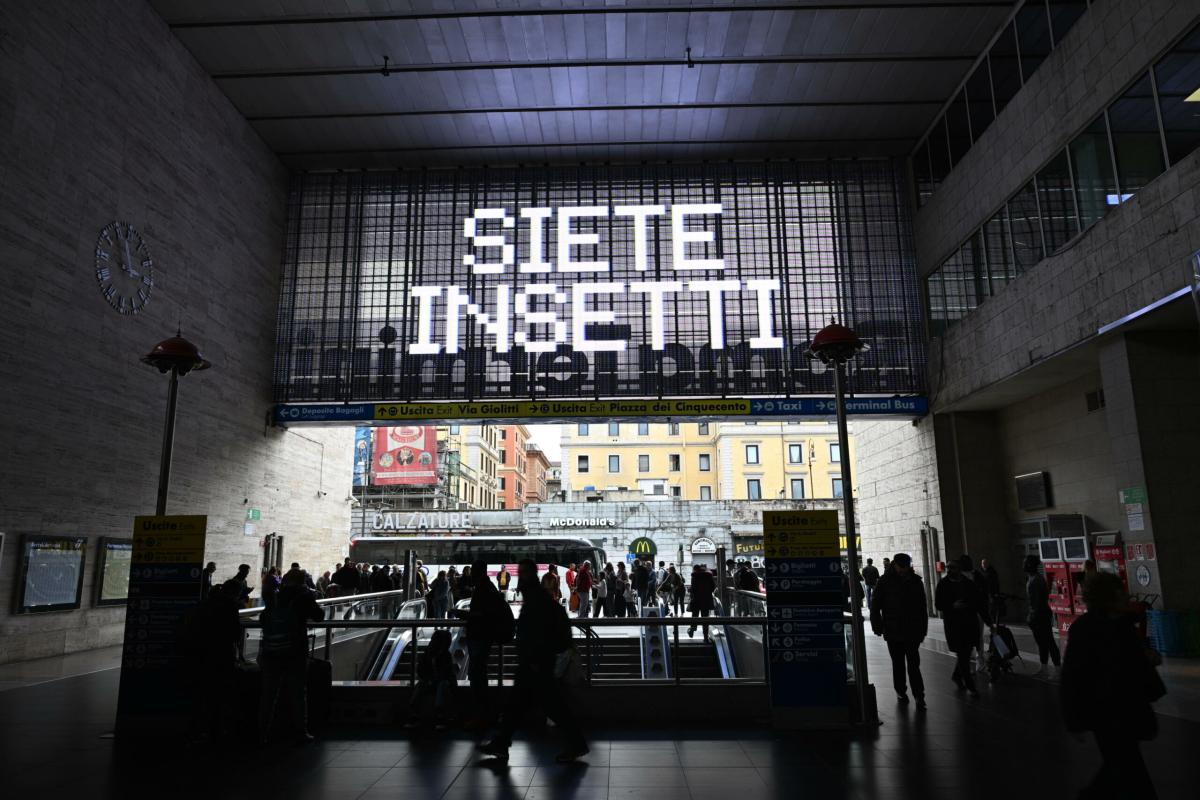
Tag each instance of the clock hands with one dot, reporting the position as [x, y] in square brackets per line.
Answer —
[127, 266]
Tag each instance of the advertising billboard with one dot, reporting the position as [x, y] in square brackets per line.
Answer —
[50, 573]
[362, 455]
[701, 281]
[404, 455]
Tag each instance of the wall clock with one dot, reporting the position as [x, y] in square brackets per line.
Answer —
[124, 268]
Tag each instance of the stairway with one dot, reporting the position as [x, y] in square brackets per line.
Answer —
[697, 659]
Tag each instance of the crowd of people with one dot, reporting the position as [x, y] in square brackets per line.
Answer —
[1104, 651]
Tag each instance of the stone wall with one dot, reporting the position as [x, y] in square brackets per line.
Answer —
[105, 116]
[897, 489]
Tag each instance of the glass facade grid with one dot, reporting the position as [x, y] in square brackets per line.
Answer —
[1018, 50]
[1155, 122]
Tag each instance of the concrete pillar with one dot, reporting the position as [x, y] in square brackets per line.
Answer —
[970, 464]
[1152, 404]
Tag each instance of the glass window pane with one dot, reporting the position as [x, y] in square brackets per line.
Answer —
[1033, 35]
[975, 267]
[959, 291]
[614, 463]
[939, 153]
[1178, 76]
[1063, 16]
[937, 303]
[1006, 67]
[1095, 188]
[921, 175]
[1055, 193]
[1134, 124]
[1025, 227]
[979, 96]
[997, 250]
[958, 127]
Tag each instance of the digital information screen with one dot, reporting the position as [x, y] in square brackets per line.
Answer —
[653, 281]
[51, 573]
[112, 571]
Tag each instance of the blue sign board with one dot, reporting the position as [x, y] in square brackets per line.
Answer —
[806, 644]
[362, 454]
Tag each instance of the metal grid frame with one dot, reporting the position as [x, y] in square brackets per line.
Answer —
[836, 234]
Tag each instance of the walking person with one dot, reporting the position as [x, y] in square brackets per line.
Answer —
[870, 574]
[489, 622]
[582, 591]
[991, 579]
[283, 653]
[983, 617]
[502, 580]
[542, 633]
[672, 590]
[957, 598]
[640, 581]
[214, 645]
[621, 580]
[439, 596]
[346, 578]
[206, 579]
[1040, 617]
[703, 601]
[1108, 683]
[898, 614]
[679, 596]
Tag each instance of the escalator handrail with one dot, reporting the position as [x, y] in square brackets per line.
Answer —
[327, 601]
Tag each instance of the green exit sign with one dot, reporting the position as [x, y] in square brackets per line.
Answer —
[1134, 494]
[253, 515]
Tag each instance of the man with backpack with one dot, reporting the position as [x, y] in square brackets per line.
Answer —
[543, 633]
[283, 653]
[489, 622]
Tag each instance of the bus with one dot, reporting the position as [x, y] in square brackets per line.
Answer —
[459, 551]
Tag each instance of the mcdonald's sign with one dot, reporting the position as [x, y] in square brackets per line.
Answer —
[643, 546]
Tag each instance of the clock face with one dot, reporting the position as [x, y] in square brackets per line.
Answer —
[124, 268]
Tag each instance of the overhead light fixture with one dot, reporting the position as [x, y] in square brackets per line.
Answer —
[1194, 97]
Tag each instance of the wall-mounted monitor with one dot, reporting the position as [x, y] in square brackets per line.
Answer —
[112, 571]
[1050, 549]
[50, 573]
[1033, 491]
[1075, 548]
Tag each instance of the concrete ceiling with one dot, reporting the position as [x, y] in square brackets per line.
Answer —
[514, 81]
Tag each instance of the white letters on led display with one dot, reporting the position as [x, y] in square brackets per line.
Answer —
[681, 237]
[508, 253]
[567, 239]
[533, 316]
[537, 239]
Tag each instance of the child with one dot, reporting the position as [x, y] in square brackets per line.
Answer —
[435, 677]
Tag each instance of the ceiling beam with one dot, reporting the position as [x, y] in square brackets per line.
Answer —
[417, 16]
[394, 69]
[446, 112]
[561, 145]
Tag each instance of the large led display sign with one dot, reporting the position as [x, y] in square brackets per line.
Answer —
[601, 282]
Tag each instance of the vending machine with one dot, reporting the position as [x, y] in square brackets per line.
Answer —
[1058, 581]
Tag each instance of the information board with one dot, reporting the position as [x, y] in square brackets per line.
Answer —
[112, 571]
[806, 644]
[51, 573]
[164, 587]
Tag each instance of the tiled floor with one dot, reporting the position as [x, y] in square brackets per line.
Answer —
[1007, 743]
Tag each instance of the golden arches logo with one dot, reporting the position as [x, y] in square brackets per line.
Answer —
[642, 547]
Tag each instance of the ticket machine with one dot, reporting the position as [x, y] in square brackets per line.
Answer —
[1076, 552]
[1058, 581]
[1109, 554]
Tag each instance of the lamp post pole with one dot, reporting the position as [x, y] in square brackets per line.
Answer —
[834, 345]
[177, 356]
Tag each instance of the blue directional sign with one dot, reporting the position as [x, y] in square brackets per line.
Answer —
[910, 406]
[906, 407]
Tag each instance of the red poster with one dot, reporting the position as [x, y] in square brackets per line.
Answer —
[406, 455]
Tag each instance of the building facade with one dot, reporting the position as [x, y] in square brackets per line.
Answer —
[511, 472]
[537, 468]
[705, 461]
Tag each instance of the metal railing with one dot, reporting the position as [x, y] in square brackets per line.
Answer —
[372, 606]
[590, 644]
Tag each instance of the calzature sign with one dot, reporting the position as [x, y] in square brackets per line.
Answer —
[594, 283]
[419, 520]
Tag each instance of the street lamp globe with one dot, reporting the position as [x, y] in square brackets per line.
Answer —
[835, 344]
[176, 353]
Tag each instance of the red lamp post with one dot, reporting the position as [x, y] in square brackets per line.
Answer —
[835, 345]
[177, 356]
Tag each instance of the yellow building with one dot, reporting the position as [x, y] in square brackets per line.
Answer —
[469, 472]
[706, 461]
